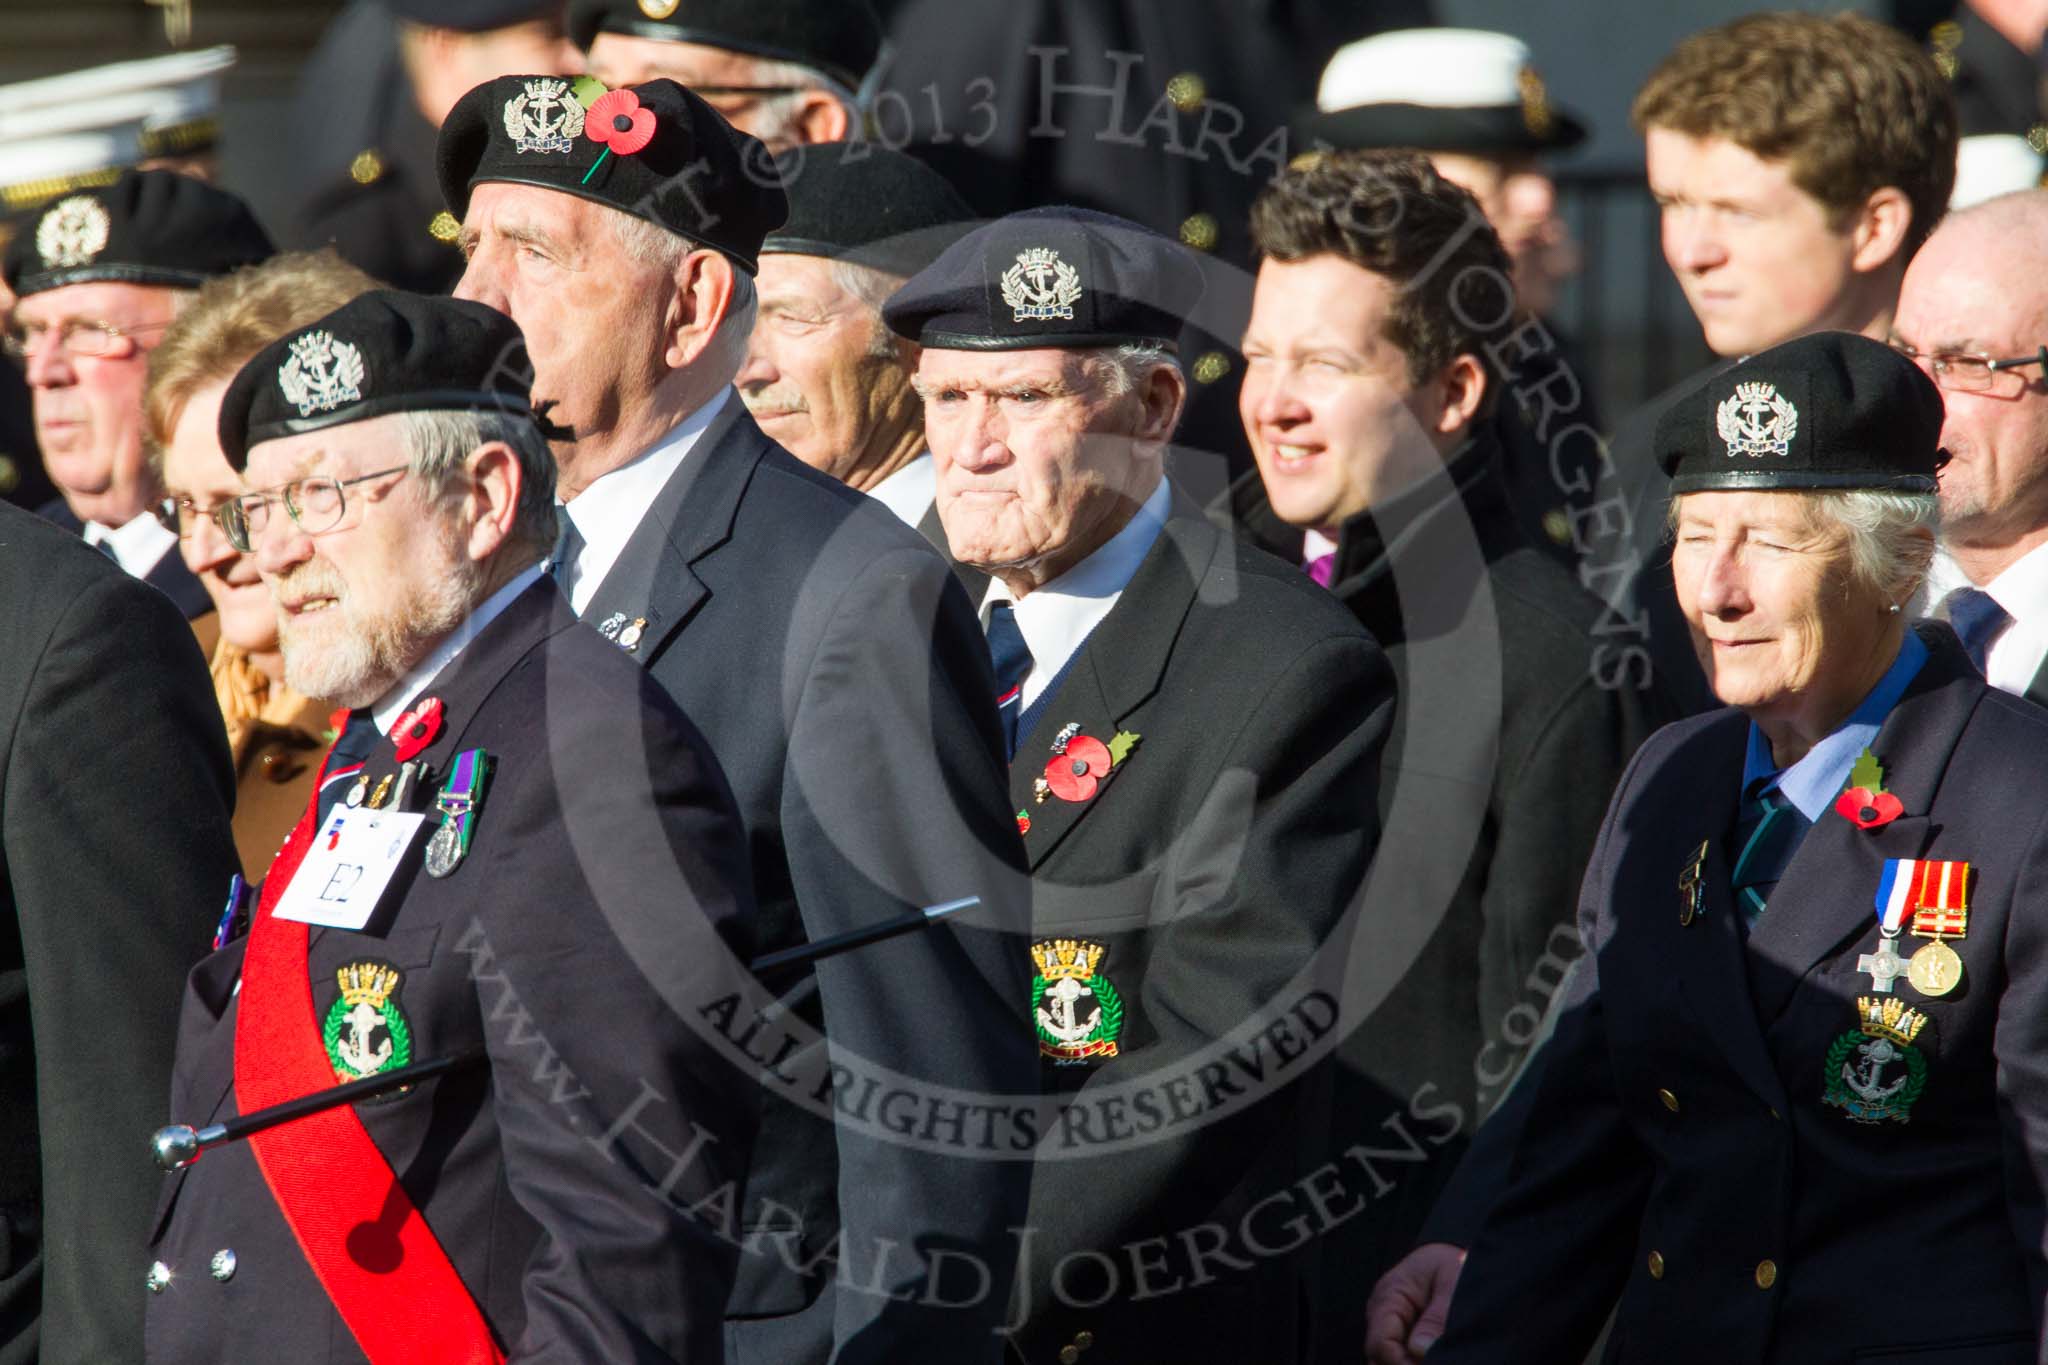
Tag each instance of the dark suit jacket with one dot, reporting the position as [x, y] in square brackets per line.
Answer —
[606, 855]
[1211, 866]
[838, 673]
[169, 576]
[1679, 1154]
[115, 856]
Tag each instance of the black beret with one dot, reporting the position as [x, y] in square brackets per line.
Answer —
[655, 151]
[1050, 277]
[148, 227]
[474, 16]
[860, 202]
[385, 351]
[841, 38]
[1828, 410]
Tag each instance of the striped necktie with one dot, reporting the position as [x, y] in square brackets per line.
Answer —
[1012, 660]
[1767, 834]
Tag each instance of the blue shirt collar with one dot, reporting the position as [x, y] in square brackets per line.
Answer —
[1813, 783]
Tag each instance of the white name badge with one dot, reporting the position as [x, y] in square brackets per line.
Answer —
[353, 859]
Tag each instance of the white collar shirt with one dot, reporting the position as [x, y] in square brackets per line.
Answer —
[610, 510]
[394, 703]
[2015, 657]
[138, 547]
[909, 491]
[1055, 619]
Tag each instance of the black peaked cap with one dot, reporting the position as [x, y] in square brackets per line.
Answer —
[860, 202]
[841, 38]
[1832, 410]
[148, 227]
[386, 351]
[1050, 277]
[698, 176]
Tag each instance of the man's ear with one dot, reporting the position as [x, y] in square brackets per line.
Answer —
[491, 502]
[1879, 232]
[1461, 389]
[820, 118]
[703, 287]
[1161, 397]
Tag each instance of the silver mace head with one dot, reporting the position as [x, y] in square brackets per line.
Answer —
[175, 1147]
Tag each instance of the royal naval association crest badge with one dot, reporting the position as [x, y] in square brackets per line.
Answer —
[366, 1033]
[1041, 286]
[73, 232]
[543, 117]
[321, 374]
[1077, 1012]
[1757, 420]
[1874, 1074]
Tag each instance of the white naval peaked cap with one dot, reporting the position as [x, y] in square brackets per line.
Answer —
[39, 169]
[1991, 164]
[1438, 68]
[175, 97]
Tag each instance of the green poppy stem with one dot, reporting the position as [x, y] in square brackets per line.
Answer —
[594, 165]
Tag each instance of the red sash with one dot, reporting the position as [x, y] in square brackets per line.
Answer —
[374, 1255]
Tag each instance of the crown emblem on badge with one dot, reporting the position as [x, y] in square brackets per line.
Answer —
[543, 117]
[321, 373]
[73, 232]
[367, 983]
[1063, 959]
[1890, 1018]
[1041, 286]
[1757, 420]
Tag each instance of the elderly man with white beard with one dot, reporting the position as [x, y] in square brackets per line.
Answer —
[519, 852]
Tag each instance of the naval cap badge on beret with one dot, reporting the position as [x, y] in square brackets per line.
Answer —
[386, 351]
[1832, 410]
[839, 38]
[1050, 277]
[148, 227]
[655, 151]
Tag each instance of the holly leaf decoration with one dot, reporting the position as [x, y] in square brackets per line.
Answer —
[1121, 744]
[1868, 773]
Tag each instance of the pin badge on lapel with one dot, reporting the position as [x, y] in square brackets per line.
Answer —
[1691, 898]
[626, 634]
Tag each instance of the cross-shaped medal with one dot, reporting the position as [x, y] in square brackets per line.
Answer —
[1884, 966]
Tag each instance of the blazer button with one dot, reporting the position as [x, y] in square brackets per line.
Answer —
[159, 1276]
[1656, 1265]
[1766, 1274]
[223, 1264]
[1084, 1339]
[1670, 1100]
[1069, 1354]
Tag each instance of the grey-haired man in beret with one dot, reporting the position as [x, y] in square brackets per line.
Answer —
[833, 663]
[824, 375]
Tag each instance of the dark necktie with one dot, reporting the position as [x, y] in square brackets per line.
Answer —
[568, 544]
[1978, 620]
[1012, 660]
[358, 737]
[1767, 833]
[105, 547]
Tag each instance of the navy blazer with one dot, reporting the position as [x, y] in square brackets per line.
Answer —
[605, 877]
[837, 670]
[1679, 1152]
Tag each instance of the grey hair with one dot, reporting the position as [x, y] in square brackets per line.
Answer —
[651, 244]
[872, 286]
[1888, 554]
[647, 242]
[778, 112]
[1123, 368]
[439, 441]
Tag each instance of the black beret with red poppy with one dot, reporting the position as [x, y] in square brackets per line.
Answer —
[654, 151]
[148, 227]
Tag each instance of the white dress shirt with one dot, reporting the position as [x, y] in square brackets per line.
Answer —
[909, 491]
[610, 510]
[138, 547]
[1055, 619]
[393, 704]
[2016, 655]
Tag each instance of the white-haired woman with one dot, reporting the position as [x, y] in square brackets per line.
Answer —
[1796, 1108]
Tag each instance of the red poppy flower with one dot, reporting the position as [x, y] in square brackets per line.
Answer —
[616, 120]
[416, 728]
[1023, 822]
[1867, 809]
[1074, 775]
